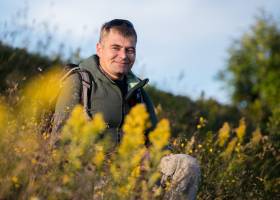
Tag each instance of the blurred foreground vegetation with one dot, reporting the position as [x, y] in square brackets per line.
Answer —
[237, 144]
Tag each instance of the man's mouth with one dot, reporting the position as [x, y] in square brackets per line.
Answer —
[122, 63]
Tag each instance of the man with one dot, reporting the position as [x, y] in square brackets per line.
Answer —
[115, 91]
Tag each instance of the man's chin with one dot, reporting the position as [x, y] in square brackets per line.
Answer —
[122, 73]
[123, 70]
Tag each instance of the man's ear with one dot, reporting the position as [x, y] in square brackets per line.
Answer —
[98, 48]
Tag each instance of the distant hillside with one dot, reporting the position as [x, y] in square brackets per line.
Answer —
[18, 65]
[184, 114]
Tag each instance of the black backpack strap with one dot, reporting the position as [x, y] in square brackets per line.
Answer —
[70, 69]
[87, 85]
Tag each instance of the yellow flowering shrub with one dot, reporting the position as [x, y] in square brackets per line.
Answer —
[256, 137]
[125, 168]
[160, 136]
[85, 166]
[3, 115]
[99, 156]
[230, 148]
[241, 130]
[201, 123]
[224, 134]
[40, 94]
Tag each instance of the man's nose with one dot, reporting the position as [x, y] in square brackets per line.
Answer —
[123, 54]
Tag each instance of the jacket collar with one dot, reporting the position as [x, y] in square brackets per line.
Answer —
[92, 65]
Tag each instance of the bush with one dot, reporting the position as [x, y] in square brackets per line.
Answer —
[83, 165]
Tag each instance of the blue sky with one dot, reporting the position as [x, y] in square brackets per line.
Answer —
[182, 44]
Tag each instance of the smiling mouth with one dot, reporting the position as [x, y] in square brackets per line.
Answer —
[122, 63]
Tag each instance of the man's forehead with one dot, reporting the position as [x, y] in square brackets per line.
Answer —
[114, 36]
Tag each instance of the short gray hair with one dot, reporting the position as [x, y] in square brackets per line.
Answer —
[123, 26]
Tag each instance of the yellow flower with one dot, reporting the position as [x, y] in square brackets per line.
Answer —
[201, 119]
[73, 156]
[54, 154]
[174, 142]
[76, 121]
[160, 136]
[98, 123]
[158, 109]
[136, 172]
[137, 156]
[224, 134]
[153, 179]
[82, 133]
[99, 156]
[33, 161]
[115, 172]
[4, 113]
[230, 147]
[157, 192]
[124, 190]
[14, 179]
[34, 198]
[136, 122]
[241, 130]
[65, 179]
[46, 135]
[256, 137]
[40, 93]
[201, 123]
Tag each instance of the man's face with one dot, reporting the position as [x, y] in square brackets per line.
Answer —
[116, 54]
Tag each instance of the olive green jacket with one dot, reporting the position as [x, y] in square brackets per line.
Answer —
[106, 98]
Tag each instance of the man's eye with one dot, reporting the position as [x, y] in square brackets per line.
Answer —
[116, 48]
[131, 51]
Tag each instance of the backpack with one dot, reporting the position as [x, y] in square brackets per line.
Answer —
[86, 80]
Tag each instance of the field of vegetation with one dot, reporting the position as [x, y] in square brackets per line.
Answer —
[237, 145]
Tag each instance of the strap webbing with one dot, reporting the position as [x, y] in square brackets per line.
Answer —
[86, 92]
[86, 81]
